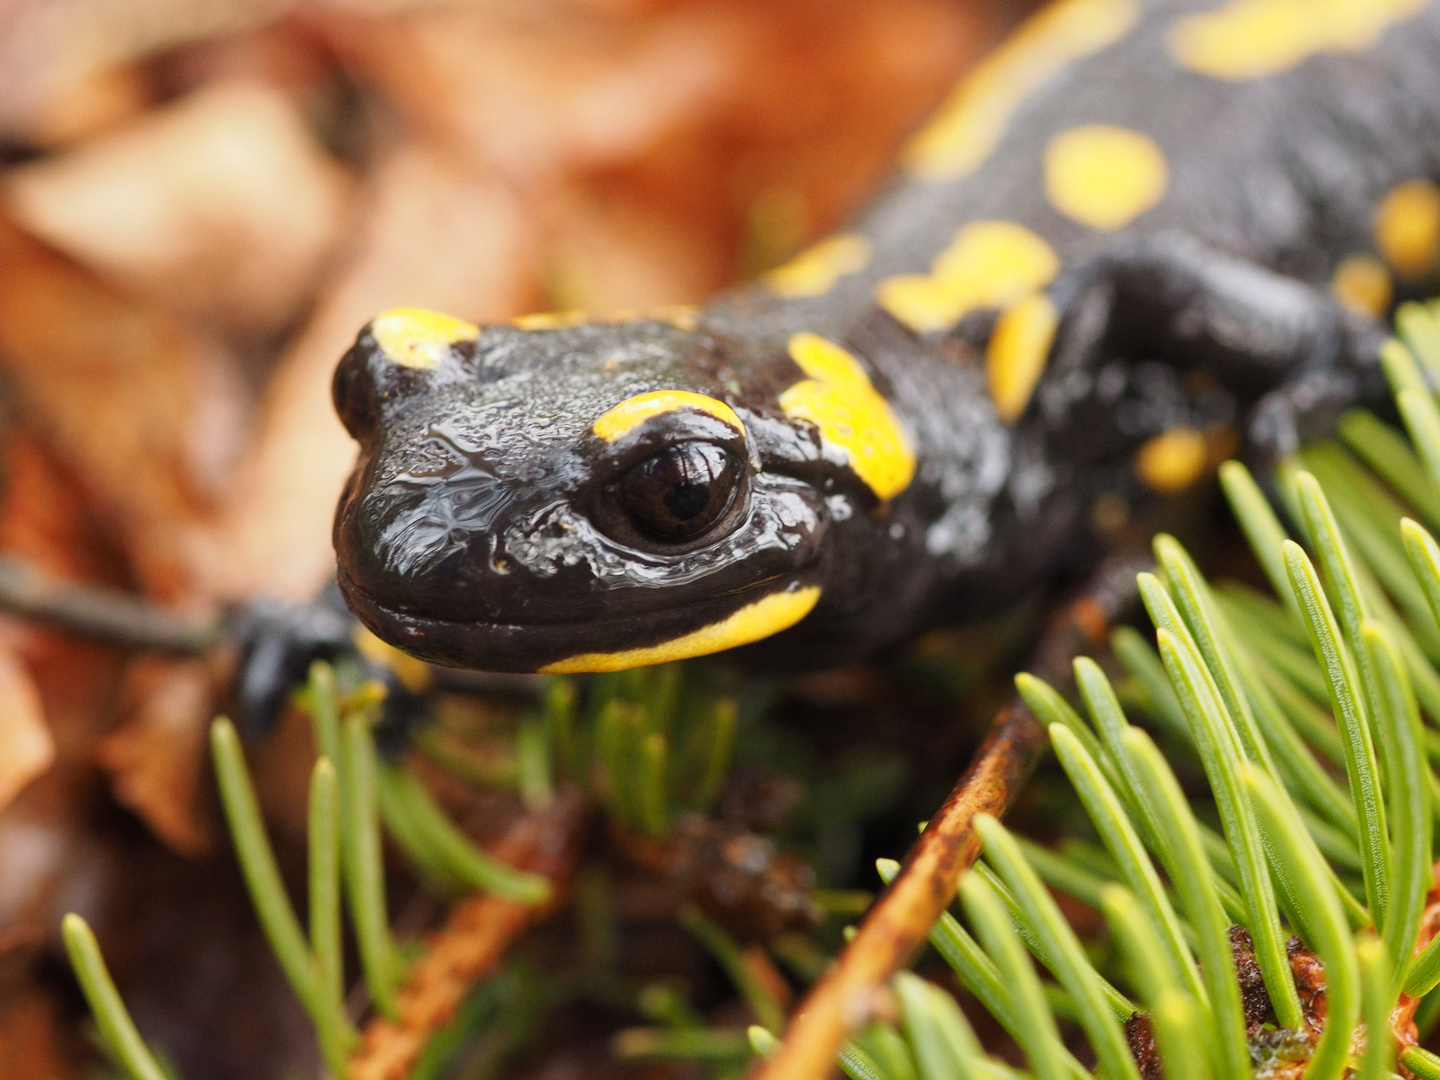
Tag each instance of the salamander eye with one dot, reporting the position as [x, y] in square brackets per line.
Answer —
[682, 491]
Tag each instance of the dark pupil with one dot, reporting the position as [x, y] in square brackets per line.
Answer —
[681, 491]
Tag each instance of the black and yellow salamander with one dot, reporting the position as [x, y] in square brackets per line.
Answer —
[1137, 223]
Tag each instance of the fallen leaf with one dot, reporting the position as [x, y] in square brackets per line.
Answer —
[157, 756]
[221, 206]
[26, 748]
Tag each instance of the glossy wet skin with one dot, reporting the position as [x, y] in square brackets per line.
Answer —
[1135, 222]
[475, 533]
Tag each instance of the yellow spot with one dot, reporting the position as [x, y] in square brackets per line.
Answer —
[414, 674]
[989, 264]
[1407, 228]
[1170, 462]
[631, 413]
[814, 270]
[416, 338]
[969, 123]
[1016, 355]
[839, 400]
[1103, 176]
[1363, 284]
[680, 316]
[751, 623]
[1248, 39]
[550, 320]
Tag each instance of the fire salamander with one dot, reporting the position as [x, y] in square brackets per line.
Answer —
[1138, 224]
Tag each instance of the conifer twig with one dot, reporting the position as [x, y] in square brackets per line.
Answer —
[846, 997]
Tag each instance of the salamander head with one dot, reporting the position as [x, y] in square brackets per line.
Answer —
[582, 498]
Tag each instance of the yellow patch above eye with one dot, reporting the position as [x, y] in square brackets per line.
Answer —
[969, 123]
[632, 412]
[1104, 176]
[1407, 228]
[989, 264]
[814, 270]
[416, 338]
[1249, 39]
[764, 617]
[1016, 355]
[1173, 460]
[839, 399]
[1362, 284]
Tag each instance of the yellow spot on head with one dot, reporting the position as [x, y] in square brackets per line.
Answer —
[1248, 39]
[989, 264]
[752, 622]
[1103, 176]
[414, 674]
[416, 338]
[1016, 355]
[632, 412]
[814, 270]
[550, 320]
[681, 316]
[839, 399]
[969, 123]
[1407, 228]
[1172, 461]
[1363, 284]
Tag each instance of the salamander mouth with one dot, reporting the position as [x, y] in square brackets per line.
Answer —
[676, 632]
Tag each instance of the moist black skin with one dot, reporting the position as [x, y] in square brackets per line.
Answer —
[486, 526]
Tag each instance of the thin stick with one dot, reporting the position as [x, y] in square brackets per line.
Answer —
[847, 996]
[472, 942]
[101, 614]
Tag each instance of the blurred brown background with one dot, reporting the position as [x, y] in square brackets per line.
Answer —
[201, 201]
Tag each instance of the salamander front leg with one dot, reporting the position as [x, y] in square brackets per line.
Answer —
[1291, 355]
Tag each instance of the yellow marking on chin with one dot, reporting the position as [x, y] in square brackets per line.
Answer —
[988, 264]
[416, 338]
[1172, 461]
[839, 399]
[414, 674]
[1104, 176]
[970, 122]
[1362, 284]
[1016, 355]
[816, 269]
[632, 412]
[1249, 39]
[1407, 228]
[752, 622]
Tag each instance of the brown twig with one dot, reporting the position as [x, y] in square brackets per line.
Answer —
[472, 942]
[102, 614]
[846, 997]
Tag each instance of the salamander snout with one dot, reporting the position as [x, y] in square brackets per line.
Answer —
[548, 500]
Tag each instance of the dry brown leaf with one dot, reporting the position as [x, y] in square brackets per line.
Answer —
[533, 95]
[26, 748]
[146, 413]
[433, 236]
[33, 1037]
[156, 758]
[221, 206]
